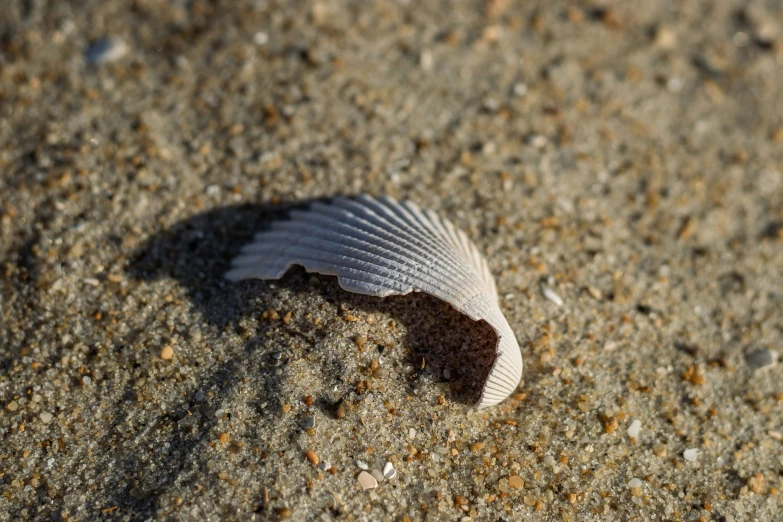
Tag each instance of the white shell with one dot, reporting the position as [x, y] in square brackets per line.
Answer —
[381, 248]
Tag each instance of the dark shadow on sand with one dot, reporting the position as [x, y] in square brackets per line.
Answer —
[197, 252]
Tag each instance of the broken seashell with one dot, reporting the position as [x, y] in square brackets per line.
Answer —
[381, 247]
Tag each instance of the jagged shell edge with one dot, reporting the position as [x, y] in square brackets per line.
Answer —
[381, 247]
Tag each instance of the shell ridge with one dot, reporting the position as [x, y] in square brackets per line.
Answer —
[375, 234]
[308, 257]
[424, 246]
[410, 214]
[435, 230]
[374, 251]
[390, 218]
[423, 258]
[468, 249]
[416, 277]
[439, 227]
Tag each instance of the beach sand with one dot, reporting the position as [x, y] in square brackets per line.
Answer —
[627, 157]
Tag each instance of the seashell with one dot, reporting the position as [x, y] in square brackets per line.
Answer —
[381, 247]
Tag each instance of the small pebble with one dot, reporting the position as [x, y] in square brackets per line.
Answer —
[690, 454]
[388, 471]
[516, 482]
[312, 456]
[756, 483]
[341, 410]
[46, 417]
[740, 39]
[12, 406]
[660, 450]
[551, 295]
[610, 423]
[634, 428]
[377, 475]
[106, 50]
[665, 37]
[167, 353]
[761, 359]
[539, 142]
[476, 447]
[362, 465]
[426, 60]
[635, 483]
[411, 433]
[367, 481]
[302, 441]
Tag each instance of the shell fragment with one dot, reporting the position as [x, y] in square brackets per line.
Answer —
[381, 247]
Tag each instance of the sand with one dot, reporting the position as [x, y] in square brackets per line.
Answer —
[623, 157]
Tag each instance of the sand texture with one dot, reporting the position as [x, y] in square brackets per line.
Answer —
[620, 164]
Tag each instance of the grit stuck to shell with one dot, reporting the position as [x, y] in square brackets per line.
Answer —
[380, 247]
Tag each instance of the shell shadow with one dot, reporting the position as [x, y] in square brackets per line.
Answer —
[444, 345]
[196, 252]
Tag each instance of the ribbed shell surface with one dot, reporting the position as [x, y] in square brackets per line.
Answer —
[381, 247]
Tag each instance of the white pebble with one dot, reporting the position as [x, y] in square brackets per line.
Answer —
[46, 417]
[362, 465]
[635, 483]
[106, 50]
[551, 295]
[426, 60]
[538, 141]
[388, 471]
[411, 434]
[690, 454]
[367, 481]
[634, 428]
[261, 38]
